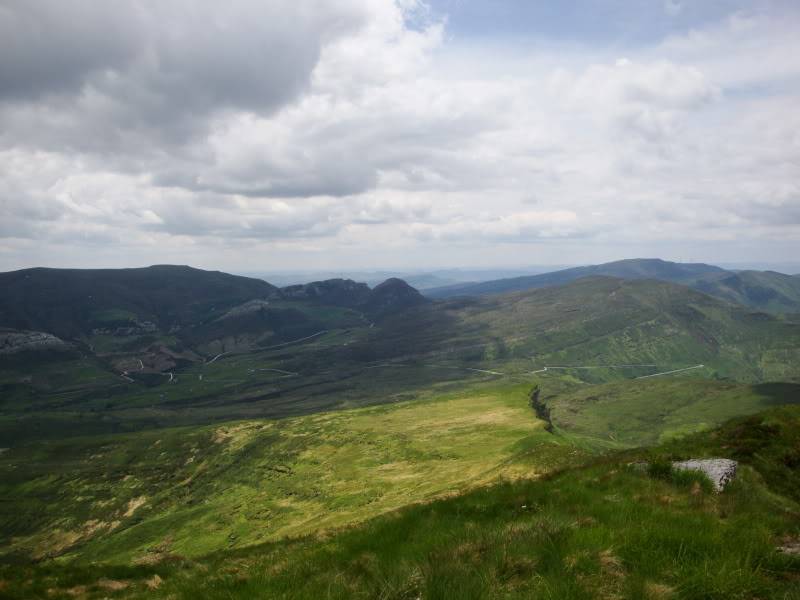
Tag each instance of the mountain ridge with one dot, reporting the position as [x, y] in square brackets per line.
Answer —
[762, 290]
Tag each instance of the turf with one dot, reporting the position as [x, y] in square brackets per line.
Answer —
[643, 412]
[605, 530]
[198, 490]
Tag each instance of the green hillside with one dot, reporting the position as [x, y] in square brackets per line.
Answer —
[765, 290]
[307, 435]
[111, 498]
[646, 411]
[596, 330]
[608, 529]
[637, 268]
[603, 321]
[762, 290]
[73, 302]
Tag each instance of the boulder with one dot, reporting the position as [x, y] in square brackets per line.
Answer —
[720, 471]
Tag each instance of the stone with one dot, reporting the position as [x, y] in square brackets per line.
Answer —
[720, 471]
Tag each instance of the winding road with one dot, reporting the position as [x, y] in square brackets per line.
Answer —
[589, 367]
[670, 372]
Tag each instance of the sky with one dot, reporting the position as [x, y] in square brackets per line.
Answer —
[258, 135]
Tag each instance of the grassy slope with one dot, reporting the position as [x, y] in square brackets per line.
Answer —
[161, 493]
[606, 321]
[606, 530]
[194, 491]
[638, 268]
[647, 411]
[765, 290]
[762, 290]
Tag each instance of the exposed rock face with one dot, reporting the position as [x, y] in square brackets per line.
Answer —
[248, 308]
[135, 328]
[720, 471]
[339, 292]
[12, 342]
[391, 295]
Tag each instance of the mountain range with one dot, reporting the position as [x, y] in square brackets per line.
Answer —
[178, 433]
[764, 290]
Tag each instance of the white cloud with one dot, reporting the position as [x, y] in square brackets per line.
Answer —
[338, 130]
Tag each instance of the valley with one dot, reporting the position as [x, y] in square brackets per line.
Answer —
[235, 421]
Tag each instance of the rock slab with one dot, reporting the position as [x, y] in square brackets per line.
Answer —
[720, 471]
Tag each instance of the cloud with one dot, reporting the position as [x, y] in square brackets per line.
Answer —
[673, 7]
[201, 130]
[134, 73]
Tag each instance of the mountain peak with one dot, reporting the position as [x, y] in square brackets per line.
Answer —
[394, 294]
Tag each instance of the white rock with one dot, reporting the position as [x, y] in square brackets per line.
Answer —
[719, 470]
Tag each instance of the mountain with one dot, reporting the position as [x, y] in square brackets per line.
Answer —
[765, 290]
[336, 292]
[391, 296]
[601, 320]
[639, 268]
[282, 357]
[72, 302]
[159, 457]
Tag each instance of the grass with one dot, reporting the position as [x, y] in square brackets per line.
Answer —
[199, 490]
[605, 530]
[427, 493]
[647, 411]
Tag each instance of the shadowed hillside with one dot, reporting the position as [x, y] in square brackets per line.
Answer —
[73, 302]
[765, 290]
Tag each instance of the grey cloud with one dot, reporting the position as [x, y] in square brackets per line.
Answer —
[50, 46]
[113, 76]
[202, 125]
[338, 177]
[218, 216]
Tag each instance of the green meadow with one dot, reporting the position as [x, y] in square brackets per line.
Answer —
[193, 491]
[609, 529]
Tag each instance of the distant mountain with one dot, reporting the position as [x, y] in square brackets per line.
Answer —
[392, 295]
[72, 302]
[336, 292]
[599, 321]
[421, 280]
[640, 268]
[765, 290]
[140, 319]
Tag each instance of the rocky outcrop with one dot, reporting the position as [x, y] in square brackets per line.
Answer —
[338, 292]
[246, 309]
[720, 471]
[14, 342]
[390, 296]
[135, 328]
